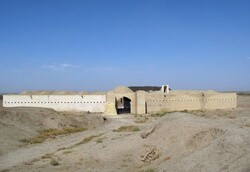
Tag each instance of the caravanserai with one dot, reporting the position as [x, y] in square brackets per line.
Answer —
[123, 100]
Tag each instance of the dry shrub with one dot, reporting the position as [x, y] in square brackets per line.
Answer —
[51, 133]
[54, 162]
[149, 170]
[47, 156]
[61, 149]
[128, 128]
[67, 152]
[99, 140]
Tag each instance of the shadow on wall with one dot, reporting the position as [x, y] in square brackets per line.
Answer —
[1, 100]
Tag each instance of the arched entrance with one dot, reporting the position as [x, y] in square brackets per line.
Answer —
[123, 105]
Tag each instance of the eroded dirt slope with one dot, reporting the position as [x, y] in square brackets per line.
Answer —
[193, 141]
[21, 123]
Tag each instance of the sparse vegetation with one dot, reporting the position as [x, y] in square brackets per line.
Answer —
[61, 149]
[47, 156]
[67, 152]
[197, 112]
[247, 125]
[160, 114]
[140, 119]
[149, 170]
[128, 128]
[51, 133]
[213, 113]
[88, 139]
[54, 162]
[99, 140]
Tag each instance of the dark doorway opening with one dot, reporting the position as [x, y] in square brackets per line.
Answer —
[123, 105]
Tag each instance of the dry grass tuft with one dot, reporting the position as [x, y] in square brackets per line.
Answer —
[54, 162]
[149, 170]
[67, 152]
[61, 149]
[51, 133]
[47, 156]
[197, 112]
[167, 158]
[141, 119]
[99, 140]
[128, 128]
[247, 125]
[160, 114]
[88, 139]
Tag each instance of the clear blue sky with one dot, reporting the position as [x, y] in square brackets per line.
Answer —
[97, 44]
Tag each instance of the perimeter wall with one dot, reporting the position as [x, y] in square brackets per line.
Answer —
[174, 102]
[141, 102]
[91, 103]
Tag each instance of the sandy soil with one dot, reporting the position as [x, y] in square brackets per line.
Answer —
[23, 123]
[194, 141]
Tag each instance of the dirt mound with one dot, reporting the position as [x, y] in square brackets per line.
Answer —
[195, 143]
[204, 138]
[22, 123]
[181, 142]
[175, 142]
[202, 141]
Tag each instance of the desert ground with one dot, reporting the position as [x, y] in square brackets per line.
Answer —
[40, 139]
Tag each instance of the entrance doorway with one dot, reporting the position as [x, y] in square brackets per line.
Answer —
[123, 105]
